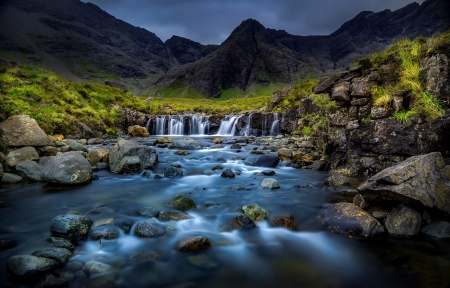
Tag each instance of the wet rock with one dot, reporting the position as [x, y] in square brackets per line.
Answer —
[210, 204]
[86, 132]
[54, 282]
[201, 261]
[216, 167]
[9, 178]
[439, 229]
[138, 131]
[21, 130]
[217, 140]
[96, 155]
[72, 226]
[209, 172]
[107, 233]
[349, 219]
[145, 229]
[380, 112]
[186, 144]
[29, 169]
[94, 141]
[238, 158]
[75, 146]
[268, 172]
[255, 212]
[130, 164]
[27, 266]
[236, 146]
[124, 225]
[146, 174]
[95, 267]
[193, 243]
[16, 156]
[48, 151]
[173, 215]
[182, 202]
[403, 221]
[148, 212]
[173, 172]
[270, 183]
[182, 153]
[6, 244]
[60, 255]
[103, 209]
[285, 154]
[336, 180]
[228, 173]
[283, 220]
[267, 161]
[148, 157]
[163, 140]
[61, 243]
[242, 222]
[67, 168]
[358, 200]
[419, 179]
[102, 222]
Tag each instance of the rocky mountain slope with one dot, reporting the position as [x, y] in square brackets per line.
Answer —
[188, 51]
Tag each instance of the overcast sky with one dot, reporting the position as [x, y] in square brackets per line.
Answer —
[212, 21]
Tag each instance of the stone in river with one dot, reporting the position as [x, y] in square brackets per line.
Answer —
[28, 266]
[283, 220]
[182, 202]
[403, 221]
[242, 222]
[72, 226]
[270, 183]
[60, 255]
[67, 168]
[255, 212]
[193, 243]
[145, 229]
[173, 215]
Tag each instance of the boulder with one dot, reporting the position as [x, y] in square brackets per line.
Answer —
[54, 282]
[2, 172]
[341, 91]
[403, 221]
[95, 267]
[338, 117]
[21, 130]
[138, 131]
[193, 243]
[94, 141]
[72, 226]
[163, 140]
[217, 140]
[9, 178]
[105, 233]
[436, 72]
[86, 132]
[422, 179]
[145, 229]
[349, 219]
[29, 169]
[67, 168]
[16, 156]
[6, 244]
[76, 146]
[186, 144]
[123, 225]
[336, 180]
[182, 202]
[284, 153]
[27, 266]
[270, 183]
[60, 255]
[307, 106]
[360, 87]
[380, 113]
[255, 212]
[267, 161]
[60, 243]
[359, 200]
[439, 229]
[242, 222]
[173, 215]
[149, 212]
[147, 156]
[173, 172]
[48, 151]
[283, 220]
[228, 173]
[97, 154]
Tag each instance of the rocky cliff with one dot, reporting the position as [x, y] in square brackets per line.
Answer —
[188, 51]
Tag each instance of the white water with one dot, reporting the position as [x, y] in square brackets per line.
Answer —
[228, 126]
[275, 129]
[198, 125]
[176, 125]
[248, 129]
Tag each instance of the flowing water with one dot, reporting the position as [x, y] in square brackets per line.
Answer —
[262, 257]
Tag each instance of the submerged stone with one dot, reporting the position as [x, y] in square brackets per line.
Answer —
[182, 202]
[193, 243]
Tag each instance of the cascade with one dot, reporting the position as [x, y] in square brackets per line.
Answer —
[228, 126]
[264, 125]
[248, 129]
[198, 125]
[160, 125]
[275, 129]
[147, 126]
[176, 125]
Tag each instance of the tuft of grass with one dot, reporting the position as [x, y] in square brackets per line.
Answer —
[382, 96]
[307, 131]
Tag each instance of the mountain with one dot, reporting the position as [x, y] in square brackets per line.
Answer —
[188, 51]
[80, 41]
[250, 55]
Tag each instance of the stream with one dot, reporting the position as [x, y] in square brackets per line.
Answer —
[261, 257]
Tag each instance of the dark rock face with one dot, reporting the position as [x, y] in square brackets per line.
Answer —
[116, 85]
[106, 233]
[188, 51]
[72, 226]
[193, 243]
[148, 212]
[228, 173]
[440, 229]
[436, 71]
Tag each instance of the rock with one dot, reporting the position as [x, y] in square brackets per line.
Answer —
[149, 212]
[255, 212]
[173, 215]
[94, 141]
[16, 156]
[361, 87]
[182, 202]
[267, 161]
[201, 261]
[102, 222]
[338, 117]
[380, 112]
[307, 106]
[95, 267]
[30, 169]
[216, 167]
[48, 151]
[96, 155]
[283, 220]
[403, 221]
[439, 229]
[173, 172]
[54, 282]
[242, 222]
[60, 255]
[435, 70]
[61, 243]
[124, 148]
[186, 144]
[163, 140]
[182, 153]
[217, 140]
[27, 266]
[145, 229]
[21, 130]
[6, 244]
[67, 168]
[397, 102]
[419, 179]
[358, 200]
[268, 172]
[228, 173]
[341, 91]
[336, 180]
[284, 153]
[360, 102]
[349, 219]
[130, 164]
[124, 225]
[75, 146]
[9, 178]
[236, 146]
[106, 233]
[138, 131]
[270, 183]
[86, 132]
[193, 243]
[72, 226]
[1, 171]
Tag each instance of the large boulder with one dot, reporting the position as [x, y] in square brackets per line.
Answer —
[145, 229]
[21, 130]
[148, 157]
[182, 202]
[16, 156]
[173, 172]
[422, 179]
[193, 243]
[27, 266]
[138, 131]
[186, 144]
[97, 154]
[349, 219]
[267, 160]
[67, 168]
[72, 226]
[60, 255]
[403, 221]
[30, 169]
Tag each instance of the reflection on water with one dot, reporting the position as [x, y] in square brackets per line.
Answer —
[262, 257]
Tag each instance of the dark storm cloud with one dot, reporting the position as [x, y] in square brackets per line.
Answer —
[211, 21]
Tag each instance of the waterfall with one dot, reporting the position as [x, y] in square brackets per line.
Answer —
[228, 126]
[275, 129]
[147, 126]
[176, 125]
[198, 125]
[264, 125]
[160, 125]
[248, 129]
